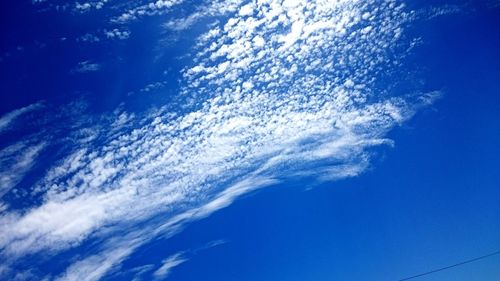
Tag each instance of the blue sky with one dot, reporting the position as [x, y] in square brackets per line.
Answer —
[236, 140]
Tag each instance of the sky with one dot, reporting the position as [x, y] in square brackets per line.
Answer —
[249, 140]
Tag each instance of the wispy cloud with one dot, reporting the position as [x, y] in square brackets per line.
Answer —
[7, 119]
[209, 9]
[278, 89]
[151, 87]
[156, 7]
[86, 66]
[15, 161]
[88, 37]
[140, 271]
[96, 266]
[167, 266]
[442, 10]
[210, 245]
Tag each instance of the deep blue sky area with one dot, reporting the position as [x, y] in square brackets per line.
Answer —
[429, 200]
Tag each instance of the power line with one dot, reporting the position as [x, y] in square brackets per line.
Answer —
[451, 266]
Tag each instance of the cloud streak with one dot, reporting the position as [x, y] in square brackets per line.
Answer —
[7, 119]
[167, 266]
[16, 160]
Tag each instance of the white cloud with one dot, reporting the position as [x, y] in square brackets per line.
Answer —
[208, 9]
[112, 34]
[140, 271]
[117, 34]
[87, 6]
[278, 90]
[154, 86]
[15, 161]
[93, 268]
[88, 37]
[86, 67]
[156, 7]
[442, 10]
[167, 266]
[7, 119]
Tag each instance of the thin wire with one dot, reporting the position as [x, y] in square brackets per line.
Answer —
[450, 266]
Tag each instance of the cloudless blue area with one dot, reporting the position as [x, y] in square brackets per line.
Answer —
[430, 201]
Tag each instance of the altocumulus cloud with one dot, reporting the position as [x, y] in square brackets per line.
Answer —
[278, 89]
